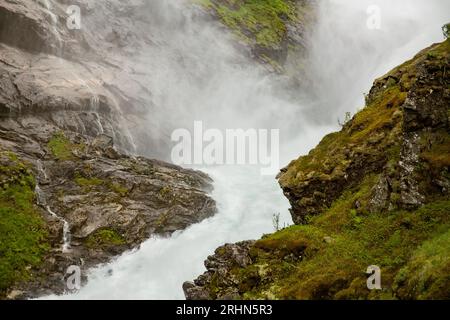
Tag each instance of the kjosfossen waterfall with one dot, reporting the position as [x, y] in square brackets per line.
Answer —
[224, 150]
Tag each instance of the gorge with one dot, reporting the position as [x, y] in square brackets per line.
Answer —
[83, 112]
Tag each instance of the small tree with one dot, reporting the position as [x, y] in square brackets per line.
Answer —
[446, 30]
[347, 119]
[276, 221]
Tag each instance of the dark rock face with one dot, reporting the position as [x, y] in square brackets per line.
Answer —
[65, 114]
[219, 270]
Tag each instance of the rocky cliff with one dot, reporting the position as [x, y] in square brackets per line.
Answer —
[71, 193]
[375, 193]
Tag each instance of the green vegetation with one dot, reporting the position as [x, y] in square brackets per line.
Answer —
[376, 129]
[88, 183]
[438, 154]
[118, 188]
[262, 21]
[427, 274]
[61, 147]
[364, 135]
[104, 238]
[23, 237]
[166, 192]
[327, 258]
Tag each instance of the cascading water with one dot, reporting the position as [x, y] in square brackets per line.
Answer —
[95, 106]
[198, 75]
[66, 230]
[41, 201]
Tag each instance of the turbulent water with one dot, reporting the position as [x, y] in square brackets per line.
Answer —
[198, 75]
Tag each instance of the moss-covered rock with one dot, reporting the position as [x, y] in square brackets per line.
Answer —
[270, 27]
[402, 135]
[104, 238]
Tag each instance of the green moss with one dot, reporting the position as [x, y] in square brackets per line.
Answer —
[437, 149]
[23, 236]
[88, 183]
[118, 188]
[262, 21]
[427, 274]
[342, 213]
[363, 135]
[165, 192]
[61, 147]
[335, 269]
[104, 238]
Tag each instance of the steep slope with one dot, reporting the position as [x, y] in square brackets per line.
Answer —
[375, 193]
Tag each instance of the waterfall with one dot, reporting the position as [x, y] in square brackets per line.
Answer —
[95, 104]
[66, 230]
[199, 75]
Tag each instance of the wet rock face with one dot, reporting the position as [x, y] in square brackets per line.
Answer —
[219, 274]
[48, 69]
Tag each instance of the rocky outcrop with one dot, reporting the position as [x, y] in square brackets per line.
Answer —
[220, 272]
[406, 118]
[271, 30]
[110, 202]
[375, 193]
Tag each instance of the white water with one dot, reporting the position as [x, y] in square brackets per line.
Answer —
[159, 268]
[66, 230]
[95, 103]
[198, 76]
